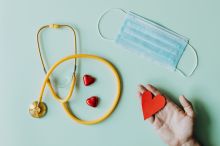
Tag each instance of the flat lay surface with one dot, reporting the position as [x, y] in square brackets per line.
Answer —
[22, 75]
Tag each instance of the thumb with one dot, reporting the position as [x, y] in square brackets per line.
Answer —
[187, 106]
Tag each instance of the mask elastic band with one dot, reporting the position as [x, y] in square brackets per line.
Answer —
[196, 64]
[101, 17]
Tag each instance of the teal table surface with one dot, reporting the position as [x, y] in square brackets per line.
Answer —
[21, 74]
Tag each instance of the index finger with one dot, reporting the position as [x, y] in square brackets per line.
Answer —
[152, 89]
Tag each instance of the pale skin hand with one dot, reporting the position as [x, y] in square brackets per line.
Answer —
[174, 124]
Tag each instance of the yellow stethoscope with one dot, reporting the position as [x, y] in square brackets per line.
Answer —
[38, 108]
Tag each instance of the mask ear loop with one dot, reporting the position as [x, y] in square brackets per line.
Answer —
[56, 26]
[194, 68]
[102, 16]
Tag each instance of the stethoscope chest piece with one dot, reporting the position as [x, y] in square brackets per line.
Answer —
[38, 110]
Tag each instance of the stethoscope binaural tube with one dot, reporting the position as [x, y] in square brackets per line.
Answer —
[56, 26]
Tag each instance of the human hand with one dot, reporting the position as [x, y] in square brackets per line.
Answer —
[172, 123]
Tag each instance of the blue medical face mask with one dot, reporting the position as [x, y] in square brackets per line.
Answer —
[153, 41]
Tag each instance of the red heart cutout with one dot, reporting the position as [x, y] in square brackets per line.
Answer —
[93, 101]
[88, 80]
[151, 105]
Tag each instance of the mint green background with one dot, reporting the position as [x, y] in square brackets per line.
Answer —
[21, 73]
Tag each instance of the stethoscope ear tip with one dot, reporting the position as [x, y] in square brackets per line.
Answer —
[38, 109]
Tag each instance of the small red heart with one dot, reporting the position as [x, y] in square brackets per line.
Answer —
[93, 101]
[88, 80]
[151, 105]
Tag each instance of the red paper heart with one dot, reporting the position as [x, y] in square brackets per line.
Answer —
[88, 80]
[151, 105]
[93, 101]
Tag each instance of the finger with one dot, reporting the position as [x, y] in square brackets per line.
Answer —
[151, 119]
[139, 94]
[187, 106]
[141, 90]
[152, 89]
[158, 122]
